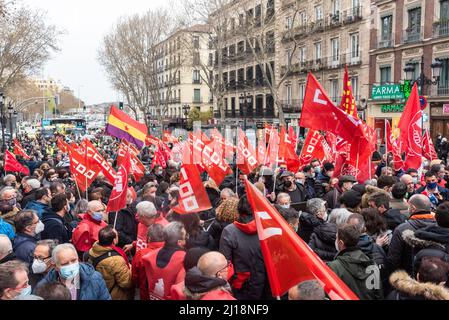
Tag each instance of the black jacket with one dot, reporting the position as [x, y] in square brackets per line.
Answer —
[322, 241]
[333, 199]
[393, 218]
[240, 244]
[319, 188]
[216, 229]
[307, 223]
[400, 255]
[298, 195]
[378, 255]
[201, 239]
[309, 186]
[56, 228]
[126, 226]
[27, 197]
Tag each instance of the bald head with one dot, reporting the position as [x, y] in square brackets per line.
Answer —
[5, 246]
[420, 202]
[211, 263]
[95, 206]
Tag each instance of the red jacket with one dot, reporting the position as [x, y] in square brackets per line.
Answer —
[161, 279]
[142, 232]
[218, 294]
[86, 233]
[139, 276]
[177, 291]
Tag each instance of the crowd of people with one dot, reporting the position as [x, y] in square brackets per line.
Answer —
[386, 239]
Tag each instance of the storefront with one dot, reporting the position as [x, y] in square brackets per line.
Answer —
[439, 119]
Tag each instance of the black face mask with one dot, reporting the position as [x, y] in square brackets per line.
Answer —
[288, 184]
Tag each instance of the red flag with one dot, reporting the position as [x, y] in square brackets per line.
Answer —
[97, 159]
[293, 137]
[18, 150]
[212, 160]
[117, 200]
[246, 156]
[273, 148]
[429, 151]
[411, 131]
[227, 147]
[150, 140]
[62, 145]
[192, 194]
[287, 151]
[320, 113]
[261, 151]
[392, 146]
[159, 159]
[80, 168]
[12, 165]
[288, 259]
[313, 148]
[348, 104]
[137, 167]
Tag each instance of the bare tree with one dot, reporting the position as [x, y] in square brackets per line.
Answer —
[129, 54]
[26, 43]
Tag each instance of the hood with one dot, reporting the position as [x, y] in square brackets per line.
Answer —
[327, 232]
[323, 177]
[421, 223]
[355, 262]
[98, 250]
[434, 233]
[402, 282]
[36, 204]
[366, 243]
[309, 220]
[410, 238]
[197, 284]
[249, 228]
[165, 254]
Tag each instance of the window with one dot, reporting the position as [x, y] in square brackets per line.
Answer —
[414, 25]
[355, 46]
[385, 75]
[318, 51]
[289, 23]
[444, 10]
[196, 42]
[334, 90]
[335, 7]
[318, 13]
[355, 87]
[443, 86]
[289, 94]
[197, 96]
[196, 77]
[386, 30]
[302, 54]
[335, 45]
[288, 55]
[302, 88]
[302, 18]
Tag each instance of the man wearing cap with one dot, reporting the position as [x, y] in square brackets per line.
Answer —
[332, 198]
[289, 186]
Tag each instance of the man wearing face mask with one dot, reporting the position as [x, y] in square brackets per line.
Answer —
[86, 233]
[10, 180]
[433, 191]
[81, 279]
[309, 184]
[28, 228]
[41, 202]
[345, 184]
[323, 178]
[43, 261]
[209, 280]
[14, 280]
[8, 199]
[56, 227]
[289, 186]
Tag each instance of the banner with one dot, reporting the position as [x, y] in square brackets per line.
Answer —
[96, 158]
[12, 165]
[117, 200]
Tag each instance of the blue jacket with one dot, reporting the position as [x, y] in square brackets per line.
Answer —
[443, 191]
[24, 246]
[7, 229]
[92, 285]
[39, 207]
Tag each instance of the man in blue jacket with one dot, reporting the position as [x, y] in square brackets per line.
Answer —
[81, 279]
[28, 227]
[41, 202]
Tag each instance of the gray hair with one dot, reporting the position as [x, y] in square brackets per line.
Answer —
[339, 216]
[173, 233]
[6, 189]
[81, 207]
[227, 192]
[311, 290]
[146, 209]
[5, 245]
[50, 244]
[283, 195]
[59, 248]
[8, 177]
[421, 202]
[34, 184]
[371, 182]
[315, 205]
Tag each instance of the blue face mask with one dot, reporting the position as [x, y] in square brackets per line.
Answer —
[318, 170]
[97, 216]
[25, 292]
[70, 272]
[432, 186]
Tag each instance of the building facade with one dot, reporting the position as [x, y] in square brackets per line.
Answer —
[414, 33]
[179, 76]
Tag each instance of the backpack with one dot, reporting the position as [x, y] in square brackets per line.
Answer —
[97, 260]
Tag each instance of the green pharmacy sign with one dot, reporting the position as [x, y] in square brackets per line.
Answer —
[392, 108]
[392, 91]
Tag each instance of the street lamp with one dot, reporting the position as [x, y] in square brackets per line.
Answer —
[245, 100]
[186, 109]
[10, 112]
[2, 111]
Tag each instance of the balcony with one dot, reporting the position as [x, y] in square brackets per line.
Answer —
[197, 81]
[292, 106]
[334, 21]
[352, 15]
[197, 100]
[386, 43]
[412, 36]
[441, 29]
[440, 90]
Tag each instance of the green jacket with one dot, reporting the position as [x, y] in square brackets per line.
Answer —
[359, 272]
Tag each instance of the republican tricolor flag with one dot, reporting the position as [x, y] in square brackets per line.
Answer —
[122, 126]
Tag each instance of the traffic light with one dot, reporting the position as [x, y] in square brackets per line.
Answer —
[120, 105]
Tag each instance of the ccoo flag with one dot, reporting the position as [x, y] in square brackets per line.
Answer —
[122, 126]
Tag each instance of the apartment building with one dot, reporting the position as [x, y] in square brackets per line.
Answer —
[323, 37]
[412, 36]
[179, 77]
[247, 97]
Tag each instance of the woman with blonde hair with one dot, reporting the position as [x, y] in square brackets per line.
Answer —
[226, 214]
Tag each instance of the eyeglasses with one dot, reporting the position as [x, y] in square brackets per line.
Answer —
[223, 269]
[42, 259]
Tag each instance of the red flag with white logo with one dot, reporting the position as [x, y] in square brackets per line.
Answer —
[429, 151]
[288, 259]
[62, 145]
[313, 148]
[96, 158]
[117, 200]
[411, 131]
[19, 151]
[246, 155]
[12, 165]
[193, 197]
[392, 146]
[287, 151]
[80, 168]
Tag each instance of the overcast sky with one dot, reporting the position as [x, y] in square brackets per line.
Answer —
[85, 23]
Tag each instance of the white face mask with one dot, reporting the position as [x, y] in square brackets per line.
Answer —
[336, 246]
[40, 227]
[39, 266]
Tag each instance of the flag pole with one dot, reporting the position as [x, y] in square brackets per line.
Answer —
[115, 220]
[386, 143]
